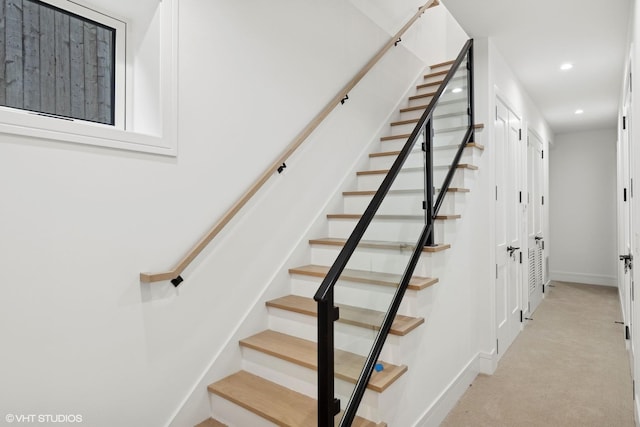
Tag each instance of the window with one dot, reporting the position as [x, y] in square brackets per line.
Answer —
[135, 66]
[62, 63]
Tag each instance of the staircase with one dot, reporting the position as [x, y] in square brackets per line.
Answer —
[278, 382]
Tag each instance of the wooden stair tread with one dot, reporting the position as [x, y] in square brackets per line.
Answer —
[424, 95]
[386, 171]
[357, 316]
[443, 64]
[431, 84]
[305, 353]
[376, 244]
[455, 190]
[405, 122]
[372, 277]
[391, 217]
[277, 404]
[415, 108]
[396, 192]
[450, 146]
[211, 423]
[460, 166]
[392, 137]
[436, 73]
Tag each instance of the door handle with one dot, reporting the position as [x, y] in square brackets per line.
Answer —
[512, 249]
[538, 238]
[628, 262]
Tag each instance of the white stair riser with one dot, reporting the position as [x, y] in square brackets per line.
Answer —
[447, 121]
[387, 230]
[444, 122]
[398, 145]
[419, 101]
[390, 230]
[406, 180]
[347, 337]
[416, 158]
[403, 204]
[401, 129]
[364, 295]
[453, 105]
[287, 374]
[234, 415]
[428, 89]
[432, 79]
[452, 204]
[459, 79]
[463, 177]
[440, 140]
[413, 114]
[412, 179]
[437, 68]
[460, 74]
[445, 155]
[389, 261]
[444, 99]
[456, 84]
[445, 229]
[304, 380]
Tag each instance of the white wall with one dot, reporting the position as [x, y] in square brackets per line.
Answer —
[81, 335]
[583, 207]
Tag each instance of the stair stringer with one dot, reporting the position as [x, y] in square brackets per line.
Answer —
[228, 359]
[427, 349]
[386, 404]
[448, 355]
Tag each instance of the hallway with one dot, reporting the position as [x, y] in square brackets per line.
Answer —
[568, 367]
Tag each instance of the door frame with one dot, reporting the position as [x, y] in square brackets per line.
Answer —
[520, 216]
[534, 196]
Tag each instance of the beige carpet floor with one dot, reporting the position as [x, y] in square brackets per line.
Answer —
[568, 367]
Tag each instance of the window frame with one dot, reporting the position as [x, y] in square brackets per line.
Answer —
[120, 135]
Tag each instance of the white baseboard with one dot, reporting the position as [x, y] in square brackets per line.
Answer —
[587, 279]
[487, 363]
[448, 399]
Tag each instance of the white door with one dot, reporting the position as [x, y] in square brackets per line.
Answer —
[625, 278]
[508, 159]
[535, 239]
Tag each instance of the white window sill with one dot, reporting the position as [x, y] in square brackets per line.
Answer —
[36, 126]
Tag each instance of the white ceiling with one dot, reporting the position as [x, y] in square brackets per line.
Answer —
[536, 37]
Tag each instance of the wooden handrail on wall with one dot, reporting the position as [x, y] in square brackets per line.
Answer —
[174, 274]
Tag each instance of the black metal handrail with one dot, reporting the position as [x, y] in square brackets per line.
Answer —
[328, 405]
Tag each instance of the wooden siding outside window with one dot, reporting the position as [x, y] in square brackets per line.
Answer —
[56, 62]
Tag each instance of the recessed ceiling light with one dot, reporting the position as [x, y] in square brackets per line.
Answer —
[566, 66]
[579, 111]
[456, 90]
